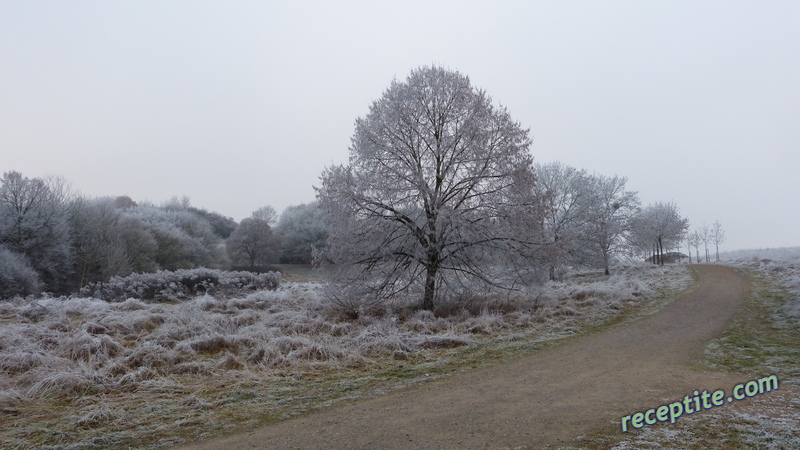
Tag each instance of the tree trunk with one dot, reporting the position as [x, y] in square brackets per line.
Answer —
[660, 252]
[553, 264]
[430, 286]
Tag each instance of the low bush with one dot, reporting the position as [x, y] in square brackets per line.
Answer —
[17, 276]
[182, 284]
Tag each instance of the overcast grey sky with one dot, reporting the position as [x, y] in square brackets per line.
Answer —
[242, 104]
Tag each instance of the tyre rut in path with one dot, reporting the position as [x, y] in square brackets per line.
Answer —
[545, 399]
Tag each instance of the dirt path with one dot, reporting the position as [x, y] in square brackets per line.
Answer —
[547, 399]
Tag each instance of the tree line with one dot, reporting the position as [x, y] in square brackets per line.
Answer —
[55, 240]
[714, 235]
[440, 199]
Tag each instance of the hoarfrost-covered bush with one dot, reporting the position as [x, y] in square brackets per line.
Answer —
[381, 338]
[17, 276]
[179, 284]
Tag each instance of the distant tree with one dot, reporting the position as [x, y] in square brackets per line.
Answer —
[222, 226]
[183, 239]
[253, 243]
[177, 204]
[658, 228]
[717, 236]
[705, 237]
[124, 201]
[267, 214]
[569, 199]
[140, 245]
[437, 195]
[206, 248]
[609, 217]
[69, 241]
[34, 223]
[99, 241]
[694, 241]
[302, 228]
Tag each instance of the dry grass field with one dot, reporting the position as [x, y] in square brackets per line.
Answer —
[88, 373]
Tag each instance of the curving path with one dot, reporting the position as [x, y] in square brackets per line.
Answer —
[546, 399]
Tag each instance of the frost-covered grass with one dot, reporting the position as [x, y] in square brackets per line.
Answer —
[766, 334]
[769, 422]
[763, 339]
[781, 265]
[85, 372]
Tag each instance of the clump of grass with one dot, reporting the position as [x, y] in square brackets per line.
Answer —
[98, 417]
[10, 400]
[65, 384]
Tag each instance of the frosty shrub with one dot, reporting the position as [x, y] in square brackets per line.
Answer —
[17, 276]
[179, 284]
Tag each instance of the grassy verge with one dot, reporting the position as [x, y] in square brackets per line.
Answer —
[761, 341]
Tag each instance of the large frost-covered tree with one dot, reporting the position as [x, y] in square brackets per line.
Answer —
[438, 192]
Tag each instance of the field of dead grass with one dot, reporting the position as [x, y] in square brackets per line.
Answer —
[87, 373]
